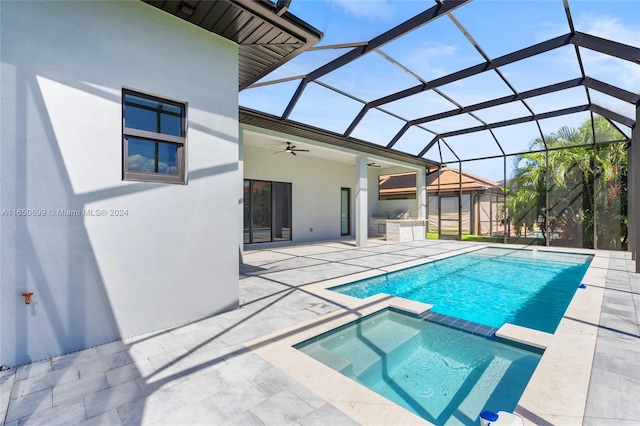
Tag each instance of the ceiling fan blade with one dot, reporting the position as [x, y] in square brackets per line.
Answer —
[292, 149]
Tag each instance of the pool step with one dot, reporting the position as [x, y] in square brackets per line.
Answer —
[382, 340]
[328, 358]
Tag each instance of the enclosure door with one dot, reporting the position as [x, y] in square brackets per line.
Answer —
[452, 220]
[449, 217]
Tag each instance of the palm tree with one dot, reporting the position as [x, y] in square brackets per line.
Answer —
[562, 169]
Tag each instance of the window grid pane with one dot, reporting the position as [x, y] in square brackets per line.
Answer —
[167, 159]
[141, 155]
[170, 124]
[141, 118]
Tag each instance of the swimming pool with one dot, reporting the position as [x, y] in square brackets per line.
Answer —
[490, 286]
[444, 375]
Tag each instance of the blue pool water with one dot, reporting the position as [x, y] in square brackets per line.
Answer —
[444, 375]
[491, 286]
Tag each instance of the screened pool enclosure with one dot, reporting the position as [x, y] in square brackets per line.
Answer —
[550, 115]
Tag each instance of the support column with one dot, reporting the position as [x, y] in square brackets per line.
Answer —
[362, 224]
[547, 239]
[459, 200]
[241, 192]
[506, 231]
[633, 186]
[631, 211]
[421, 193]
[439, 203]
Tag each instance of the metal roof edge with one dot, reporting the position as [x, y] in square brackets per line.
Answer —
[287, 21]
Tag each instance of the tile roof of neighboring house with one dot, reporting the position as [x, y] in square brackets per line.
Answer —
[401, 183]
[405, 183]
[450, 179]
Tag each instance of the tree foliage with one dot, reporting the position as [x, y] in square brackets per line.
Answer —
[554, 185]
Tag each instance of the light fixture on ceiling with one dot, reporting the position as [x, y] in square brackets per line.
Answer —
[369, 164]
[186, 8]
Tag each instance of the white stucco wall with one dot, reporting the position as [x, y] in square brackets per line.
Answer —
[316, 187]
[390, 207]
[173, 258]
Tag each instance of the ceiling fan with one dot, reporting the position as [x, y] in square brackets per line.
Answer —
[369, 164]
[292, 149]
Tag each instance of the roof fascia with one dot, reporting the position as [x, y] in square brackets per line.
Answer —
[287, 21]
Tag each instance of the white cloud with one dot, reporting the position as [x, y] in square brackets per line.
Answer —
[601, 66]
[546, 30]
[613, 29]
[610, 28]
[426, 60]
[139, 163]
[437, 50]
[369, 9]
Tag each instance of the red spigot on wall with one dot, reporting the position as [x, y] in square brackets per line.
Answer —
[27, 298]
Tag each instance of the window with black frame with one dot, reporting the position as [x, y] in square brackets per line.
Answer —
[154, 138]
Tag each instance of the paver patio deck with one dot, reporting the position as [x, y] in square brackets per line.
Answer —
[201, 373]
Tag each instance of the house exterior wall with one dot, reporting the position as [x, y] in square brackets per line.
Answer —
[397, 206]
[173, 256]
[316, 185]
[388, 207]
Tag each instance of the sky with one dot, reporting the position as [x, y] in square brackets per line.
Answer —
[438, 49]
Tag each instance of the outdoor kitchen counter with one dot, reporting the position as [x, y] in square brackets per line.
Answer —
[406, 229]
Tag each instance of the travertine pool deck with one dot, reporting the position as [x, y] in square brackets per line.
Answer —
[221, 370]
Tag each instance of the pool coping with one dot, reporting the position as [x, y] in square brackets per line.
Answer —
[556, 393]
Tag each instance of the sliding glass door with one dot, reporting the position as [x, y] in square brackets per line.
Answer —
[267, 211]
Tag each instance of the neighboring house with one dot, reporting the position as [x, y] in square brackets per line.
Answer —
[124, 153]
[482, 200]
[400, 186]
[476, 200]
